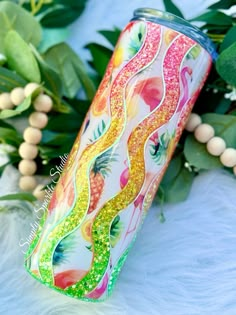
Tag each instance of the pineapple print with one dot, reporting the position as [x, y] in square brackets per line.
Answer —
[100, 170]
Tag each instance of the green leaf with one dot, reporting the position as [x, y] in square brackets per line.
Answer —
[7, 113]
[197, 155]
[50, 78]
[215, 18]
[57, 138]
[20, 57]
[20, 196]
[53, 36]
[65, 122]
[111, 36]
[71, 70]
[172, 8]
[229, 39]
[70, 10]
[9, 80]
[222, 4]
[176, 183]
[224, 126]
[101, 56]
[10, 136]
[226, 65]
[14, 17]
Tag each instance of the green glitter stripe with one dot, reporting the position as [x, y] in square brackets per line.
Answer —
[102, 222]
[136, 144]
[118, 122]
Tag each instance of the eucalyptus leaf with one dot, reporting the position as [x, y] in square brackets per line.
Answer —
[229, 39]
[20, 57]
[14, 17]
[10, 136]
[224, 126]
[71, 70]
[50, 78]
[57, 138]
[101, 56]
[70, 10]
[176, 183]
[214, 17]
[172, 8]
[53, 36]
[196, 154]
[19, 196]
[7, 113]
[65, 123]
[226, 65]
[9, 80]
[111, 36]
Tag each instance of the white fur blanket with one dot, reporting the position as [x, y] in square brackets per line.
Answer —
[185, 266]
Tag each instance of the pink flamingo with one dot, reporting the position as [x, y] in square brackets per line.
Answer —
[185, 70]
[124, 177]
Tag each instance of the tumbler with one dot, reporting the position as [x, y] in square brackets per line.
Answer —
[110, 178]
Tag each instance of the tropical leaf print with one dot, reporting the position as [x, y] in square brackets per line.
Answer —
[162, 149]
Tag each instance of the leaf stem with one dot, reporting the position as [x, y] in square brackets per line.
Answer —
[35, 7]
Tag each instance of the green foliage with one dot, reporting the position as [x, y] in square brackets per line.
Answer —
[52, 14]
[222, 4]
[20, 57]
[226, 64]
[215, 17]
[101, 56]
[7, 113]
[172, 8]
[9, 80]
[176, 183]
[71, 70]
[224, 126]
[50, 77]
[13, 17]
[10, 136]
[196, 154]
[229, 39]
[19, 196]
[111, 35]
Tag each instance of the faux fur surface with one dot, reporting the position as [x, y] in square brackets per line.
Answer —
[185, 266]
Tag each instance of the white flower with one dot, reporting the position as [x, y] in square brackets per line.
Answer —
[231, 95]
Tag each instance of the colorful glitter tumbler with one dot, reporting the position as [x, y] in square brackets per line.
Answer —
[158, 68]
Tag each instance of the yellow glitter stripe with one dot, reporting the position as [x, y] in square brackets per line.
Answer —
[107, 140]
[136, 145]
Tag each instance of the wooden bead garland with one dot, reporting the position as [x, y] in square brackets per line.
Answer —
[216, 146]
[32, 135]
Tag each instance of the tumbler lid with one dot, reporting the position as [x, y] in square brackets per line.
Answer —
[174, 22]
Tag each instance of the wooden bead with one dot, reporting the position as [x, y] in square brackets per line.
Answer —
[39, 193]
[43, 103]
[30, 88]
[32, 135]
[17, 95]
[203, 133]
[27, 167]
[38, 120]
[228, 157]
[5, 101]
[234, 170]
[193, 121]
[28, 151]
[216, 146]
[27, 183]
